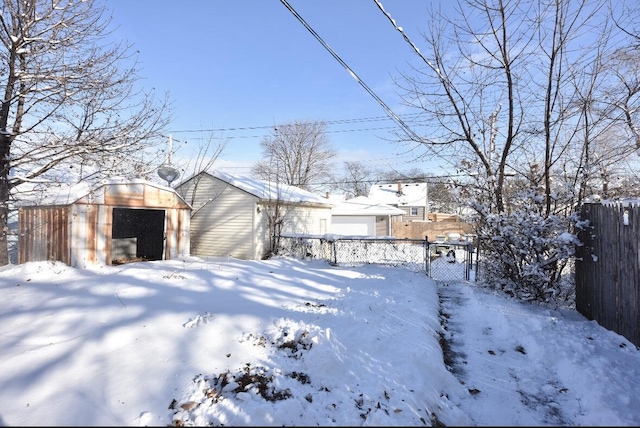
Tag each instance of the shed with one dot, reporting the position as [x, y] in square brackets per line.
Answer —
[362, 216]
[241, 217]
[115, 221]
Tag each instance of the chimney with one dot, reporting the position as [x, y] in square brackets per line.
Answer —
[399, 189]
[327, 195]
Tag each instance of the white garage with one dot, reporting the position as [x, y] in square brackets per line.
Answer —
[362, 217]
[353, 225]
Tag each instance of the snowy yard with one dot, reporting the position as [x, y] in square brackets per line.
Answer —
[285, 342]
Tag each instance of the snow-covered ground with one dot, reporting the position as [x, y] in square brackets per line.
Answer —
[285, 342]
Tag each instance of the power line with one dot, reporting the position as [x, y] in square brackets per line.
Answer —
[327, 132]
[412, 135]
[328, 122]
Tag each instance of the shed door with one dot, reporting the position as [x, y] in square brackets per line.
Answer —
[144, 229]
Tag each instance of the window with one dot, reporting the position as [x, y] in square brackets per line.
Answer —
[414, 211]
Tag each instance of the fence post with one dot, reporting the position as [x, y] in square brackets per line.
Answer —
[335, 253]
[427, 256]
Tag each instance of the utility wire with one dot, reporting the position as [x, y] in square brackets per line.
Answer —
[412, 135]
[408, 40]
[328, 122]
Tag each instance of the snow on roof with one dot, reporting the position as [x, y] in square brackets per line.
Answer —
[67, 193]
[412, 194]
[270, 190]
[363, 205]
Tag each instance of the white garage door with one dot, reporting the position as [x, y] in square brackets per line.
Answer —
[353, 225]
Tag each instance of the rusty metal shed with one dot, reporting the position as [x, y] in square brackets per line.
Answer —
[111, 223]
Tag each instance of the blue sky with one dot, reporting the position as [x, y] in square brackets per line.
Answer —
[241, 67]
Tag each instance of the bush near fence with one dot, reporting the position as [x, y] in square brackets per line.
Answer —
[608, 267]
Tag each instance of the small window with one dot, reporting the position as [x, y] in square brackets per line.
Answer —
[414, 210]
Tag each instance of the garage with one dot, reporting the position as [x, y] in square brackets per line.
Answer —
[353, 225]
[361, 216]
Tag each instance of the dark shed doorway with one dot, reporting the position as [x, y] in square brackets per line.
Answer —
[137, 233]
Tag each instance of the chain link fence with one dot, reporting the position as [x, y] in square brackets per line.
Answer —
[412, 254]
[448, 261]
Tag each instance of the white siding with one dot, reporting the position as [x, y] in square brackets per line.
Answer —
[229, 221]
[353, 225]
[303, 220]
[222, 221]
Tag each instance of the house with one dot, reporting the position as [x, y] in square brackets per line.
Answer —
[114, 221]
[242, 217]
[412, 198]
[418, 221]
[361, 216]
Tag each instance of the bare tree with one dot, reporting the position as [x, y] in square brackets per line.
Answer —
[70, 109]
[355, 180]
[298, 154]
[413, 175]
[513, 90]
[499, 83]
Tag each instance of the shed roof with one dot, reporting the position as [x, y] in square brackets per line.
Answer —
[121, 188]
[362, 205]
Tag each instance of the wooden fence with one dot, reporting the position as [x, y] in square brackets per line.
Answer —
[420, 229]
[608, 267]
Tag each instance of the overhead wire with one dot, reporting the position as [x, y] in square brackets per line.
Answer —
[412, 135]
[328, 122]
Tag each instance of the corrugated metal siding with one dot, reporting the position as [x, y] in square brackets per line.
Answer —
[84, 240]
[177, 233]
[43, 234]
[222, 222]
[133, 195]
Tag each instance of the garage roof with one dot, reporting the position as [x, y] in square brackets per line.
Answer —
[362, 205]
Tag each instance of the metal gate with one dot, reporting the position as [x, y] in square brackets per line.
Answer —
[449, 261]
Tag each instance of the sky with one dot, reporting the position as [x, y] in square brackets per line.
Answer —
[237, 69]
[286, 342]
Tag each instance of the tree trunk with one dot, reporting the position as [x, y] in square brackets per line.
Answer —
[5, 150]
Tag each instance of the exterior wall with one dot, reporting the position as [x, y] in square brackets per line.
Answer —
[351, 225]
[228, 221]
[43, 234]
[382, 226]
[222, 220]
[408, 217]
[177, 230]
[306, 220]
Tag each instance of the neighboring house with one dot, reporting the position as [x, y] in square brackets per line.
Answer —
[412, 198]
[361, 216]
[418, 221]
[241, 217]
[116, 221]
